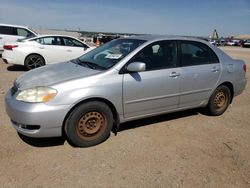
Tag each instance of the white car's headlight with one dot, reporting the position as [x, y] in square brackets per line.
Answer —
[37, 94]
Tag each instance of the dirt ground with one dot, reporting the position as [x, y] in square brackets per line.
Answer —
[184, 149]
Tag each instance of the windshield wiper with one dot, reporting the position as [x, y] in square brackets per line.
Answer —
[92, 65]
[82, 63]
[87, 64]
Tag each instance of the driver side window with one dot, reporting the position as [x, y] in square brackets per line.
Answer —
[158, 55]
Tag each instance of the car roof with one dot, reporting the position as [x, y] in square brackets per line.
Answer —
[53, 35]
[10, 25]
[56, 35]
[151, 38]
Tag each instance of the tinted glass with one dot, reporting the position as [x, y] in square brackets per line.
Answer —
[7, 30]
[159, 55]
[196, 53]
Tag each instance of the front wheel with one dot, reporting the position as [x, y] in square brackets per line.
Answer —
[89, 124]
[34, 61]
[219, 101]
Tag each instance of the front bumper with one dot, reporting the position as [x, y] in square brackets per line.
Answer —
[45, 120]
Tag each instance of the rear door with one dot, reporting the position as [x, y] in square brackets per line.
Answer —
[199, 73]
[52, 49]
[155, 90]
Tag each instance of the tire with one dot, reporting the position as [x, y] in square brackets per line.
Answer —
[34, 61]
[89, 124]
[219, 101]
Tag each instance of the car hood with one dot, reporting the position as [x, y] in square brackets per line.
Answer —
[53, 74]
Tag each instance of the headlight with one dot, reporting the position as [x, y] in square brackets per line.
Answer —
[37, 94]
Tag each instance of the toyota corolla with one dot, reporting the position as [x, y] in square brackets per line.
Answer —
[123, 80]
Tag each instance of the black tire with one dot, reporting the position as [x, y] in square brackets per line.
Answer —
[89, 124]
[34, 61]
[219, 101]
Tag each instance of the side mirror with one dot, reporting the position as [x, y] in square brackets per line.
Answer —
[136, 67]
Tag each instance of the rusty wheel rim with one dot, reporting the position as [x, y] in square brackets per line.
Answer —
[220, 101]
[91, 125]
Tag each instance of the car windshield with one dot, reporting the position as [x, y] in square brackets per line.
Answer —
[33, 31]
[109, 54]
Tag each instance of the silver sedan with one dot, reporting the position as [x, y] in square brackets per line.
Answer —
[123, 80]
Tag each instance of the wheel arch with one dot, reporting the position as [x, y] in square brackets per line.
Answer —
[98, 99]
[231, 88]
[34, 54]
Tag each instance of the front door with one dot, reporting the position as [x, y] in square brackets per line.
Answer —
[51, 48]
[155, 90]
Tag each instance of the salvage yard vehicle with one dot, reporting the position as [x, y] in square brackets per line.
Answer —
[123, 80]
[45, 49]
[11, 33]
[246, 43]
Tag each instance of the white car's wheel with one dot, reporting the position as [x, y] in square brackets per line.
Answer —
[33, 61]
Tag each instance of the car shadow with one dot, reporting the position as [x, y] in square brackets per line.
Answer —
[16, 68]
[157, 119]
[43, 142]
[57, 141]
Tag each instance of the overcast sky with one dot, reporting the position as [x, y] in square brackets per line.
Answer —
[177, 17]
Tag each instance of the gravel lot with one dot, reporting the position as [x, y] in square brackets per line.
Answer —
[184, 149]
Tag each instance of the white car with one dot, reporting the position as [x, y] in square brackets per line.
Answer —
[246, 44]
[11, 33]
[47, 49]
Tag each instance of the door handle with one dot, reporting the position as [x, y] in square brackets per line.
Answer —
[69, 50]
[41, 47]
[174, 74]
[215, 69]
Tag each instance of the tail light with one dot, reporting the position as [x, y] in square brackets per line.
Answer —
[9, 47]
[245, 67]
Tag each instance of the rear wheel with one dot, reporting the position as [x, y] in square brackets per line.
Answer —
[219, 101]
[34, 61]
[89, 124]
